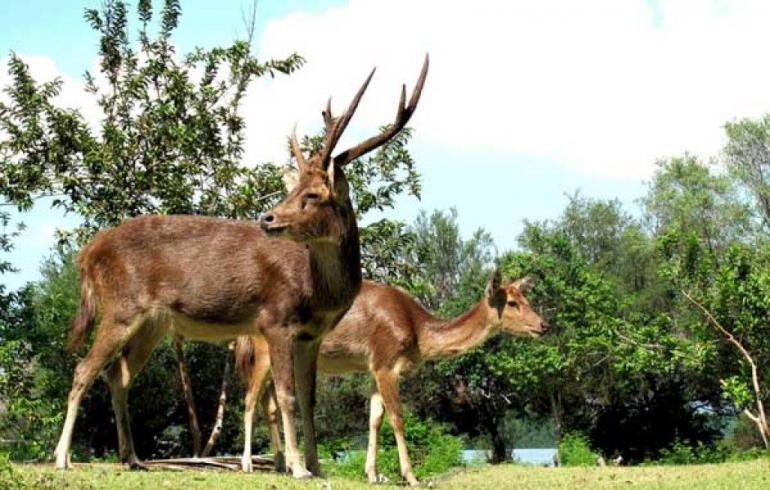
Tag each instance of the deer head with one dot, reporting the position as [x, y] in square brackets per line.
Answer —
[511, 309]
[320, 190]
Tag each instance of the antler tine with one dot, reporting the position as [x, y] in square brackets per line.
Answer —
[327, 115]
[295, 149]
[333, 136]
[402, 117]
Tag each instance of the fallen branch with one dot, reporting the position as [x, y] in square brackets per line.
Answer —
[262, 463]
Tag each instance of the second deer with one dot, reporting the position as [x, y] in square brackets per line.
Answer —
[386, 332]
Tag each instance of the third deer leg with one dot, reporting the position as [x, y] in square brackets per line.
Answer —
[387, 385]
[376, 412]
[121, 375]
[282, 362]
[110, 338]
[271, 412]
[257, 378]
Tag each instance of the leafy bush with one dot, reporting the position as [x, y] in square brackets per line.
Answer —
[575, 450]
[682, 453]
[10, 479]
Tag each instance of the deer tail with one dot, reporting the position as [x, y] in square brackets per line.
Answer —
[244, 357]
[86, 315]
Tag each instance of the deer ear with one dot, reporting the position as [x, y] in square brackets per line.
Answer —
[494, 283]
[331, 173]
[338, 184]
[290, 179]
[526, 283]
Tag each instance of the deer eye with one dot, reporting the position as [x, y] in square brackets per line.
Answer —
[513, 304]
[312, 197]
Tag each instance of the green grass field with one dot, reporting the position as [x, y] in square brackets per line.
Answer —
[743, 476]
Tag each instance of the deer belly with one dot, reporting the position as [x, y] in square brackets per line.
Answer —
[195, 329]
[343, 364]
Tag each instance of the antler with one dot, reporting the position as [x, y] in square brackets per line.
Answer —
[301, 162]
[334, 129]
[402, 117]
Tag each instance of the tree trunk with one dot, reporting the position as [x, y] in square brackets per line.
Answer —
[492, 418]
[184, 378]
[557, 413]
[217, 430]
[500, 452]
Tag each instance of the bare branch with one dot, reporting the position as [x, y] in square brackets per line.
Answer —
[761, 420]
[638, 344]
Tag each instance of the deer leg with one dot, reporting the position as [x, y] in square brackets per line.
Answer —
[110, 338]
[282, 362]
[387, 385]
[257, 379]
[121, 375]
[305, 371]
[376, 412]
[270, 409]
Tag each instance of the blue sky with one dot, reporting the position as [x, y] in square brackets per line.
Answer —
[525, 102]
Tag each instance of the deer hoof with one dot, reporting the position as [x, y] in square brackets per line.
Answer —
[280, 463]
[137, 465]
[301, 473]
[63, 462]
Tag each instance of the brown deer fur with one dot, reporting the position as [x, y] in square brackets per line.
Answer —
[287, 278]
[386, 332]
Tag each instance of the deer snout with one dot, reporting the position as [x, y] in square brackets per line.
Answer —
[266, 219]
[271, 224]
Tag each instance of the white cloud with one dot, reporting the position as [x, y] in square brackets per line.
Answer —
[604, 86]
[601, 85]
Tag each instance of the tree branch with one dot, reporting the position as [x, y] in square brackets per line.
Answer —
[761, 415]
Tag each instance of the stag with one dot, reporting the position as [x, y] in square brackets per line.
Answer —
[287, 278]
[386, 332]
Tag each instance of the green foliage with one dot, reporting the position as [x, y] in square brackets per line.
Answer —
[36, 370]
[169, 140]
[575, 450]
[681, 453]
[10, 479]
[171, 135]
[743, 436]
[747, 155]
[432, 449]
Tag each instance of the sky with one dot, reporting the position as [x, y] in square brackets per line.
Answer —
[526, 102]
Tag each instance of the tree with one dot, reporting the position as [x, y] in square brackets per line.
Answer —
[733, 298]
[688, 196]
[748, 158]
[612, 352]
[170, 141]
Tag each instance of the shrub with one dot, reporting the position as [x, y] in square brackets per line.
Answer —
[10, 479]
[575, 450]
[432, 449]
[682, 453]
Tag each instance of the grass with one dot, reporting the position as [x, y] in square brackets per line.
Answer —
[744, 476]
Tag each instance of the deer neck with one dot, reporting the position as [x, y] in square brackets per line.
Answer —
[336, 270]
[449, 338]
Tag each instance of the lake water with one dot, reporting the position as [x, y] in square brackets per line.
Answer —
[540, 457]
